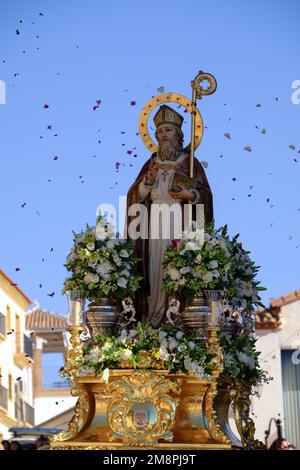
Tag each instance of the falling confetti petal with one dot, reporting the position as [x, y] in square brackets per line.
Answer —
[227, 135]
[248, 149]
[204, 164]
[161, 89]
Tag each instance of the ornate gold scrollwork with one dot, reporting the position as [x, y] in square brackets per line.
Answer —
[210, 415]
[83, 405]
[240, 395]
[143, 408]
[80, 417]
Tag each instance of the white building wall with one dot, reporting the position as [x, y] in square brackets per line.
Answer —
[269, 403]
[47, 407]
[270, 343]
[7, 365]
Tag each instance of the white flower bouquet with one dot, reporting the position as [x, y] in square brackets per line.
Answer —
[101, 265]
[220, 263]
[166, 347]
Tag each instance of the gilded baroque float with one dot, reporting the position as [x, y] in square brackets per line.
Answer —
[167, 343]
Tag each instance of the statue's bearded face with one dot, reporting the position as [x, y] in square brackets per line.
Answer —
[169, 142]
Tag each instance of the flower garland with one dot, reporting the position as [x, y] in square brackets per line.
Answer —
[169, 348]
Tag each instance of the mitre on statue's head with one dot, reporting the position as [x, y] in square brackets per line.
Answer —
[167, 115]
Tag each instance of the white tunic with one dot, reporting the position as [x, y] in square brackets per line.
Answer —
[159, 195]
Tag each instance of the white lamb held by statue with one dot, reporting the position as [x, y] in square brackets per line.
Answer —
[173, 310]
[129, 311]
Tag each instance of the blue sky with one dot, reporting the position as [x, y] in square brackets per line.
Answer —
[68, 54]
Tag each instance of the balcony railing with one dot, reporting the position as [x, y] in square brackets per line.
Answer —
[2, 323]
[24, 412]
[27, 345]
[3, 397]
[29, 414]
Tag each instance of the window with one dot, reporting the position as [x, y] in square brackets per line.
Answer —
[18, 334]
[291, 395]
[2, 324]
[8, 318]
[10, 387]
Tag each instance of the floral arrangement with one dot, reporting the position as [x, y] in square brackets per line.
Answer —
[241, 359]
[220, 263]
[164, 348]
[169, 348]
[101, 265]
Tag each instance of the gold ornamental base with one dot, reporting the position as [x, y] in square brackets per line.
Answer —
[143, 409]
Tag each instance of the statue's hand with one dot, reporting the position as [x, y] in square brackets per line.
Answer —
[151, 176]
[184, 195]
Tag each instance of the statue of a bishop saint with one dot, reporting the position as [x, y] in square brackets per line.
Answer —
[163, 183]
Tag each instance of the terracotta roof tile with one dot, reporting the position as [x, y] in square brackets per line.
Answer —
[43, 320]
[286, 299]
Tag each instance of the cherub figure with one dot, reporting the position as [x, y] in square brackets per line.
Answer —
[173, 310]
[128, 313]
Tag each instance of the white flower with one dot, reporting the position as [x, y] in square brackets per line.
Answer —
[172, 343]
[101, 233]
[248, 360]
[179, 334]
[124, 254]
[133, 333]
[174, 274]
[227, 267]
[247, 289]
[199, 371]
[215, 273]
[213, 264]
[228, 360]
[198, 258]
[161, 336]
[123, 335]
[95, 355]
[106, 346]
[105, 375]
[191, 246]
[164, 353]
[117, 260]
[90, 246]
[191, 345]
[104, 268]
[122, 282]
[187, 363]
[185, 270]
[91, 278]
[208, 277]
[196, 273]
[125, 273]
[126, 354]
[110, 245]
